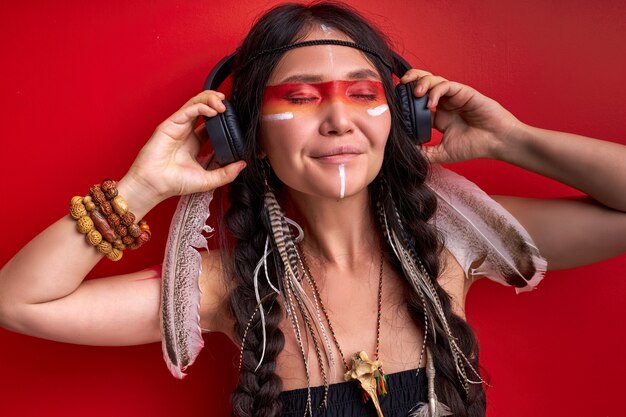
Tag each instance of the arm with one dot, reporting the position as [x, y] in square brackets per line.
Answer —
[42, 292]
[569, 232]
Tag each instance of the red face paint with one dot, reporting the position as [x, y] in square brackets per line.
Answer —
[306, 98]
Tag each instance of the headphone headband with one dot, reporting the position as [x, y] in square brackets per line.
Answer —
[316, 42]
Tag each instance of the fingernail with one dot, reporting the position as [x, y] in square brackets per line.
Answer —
[420, 89]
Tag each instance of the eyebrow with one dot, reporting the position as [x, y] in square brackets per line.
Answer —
[361, 74]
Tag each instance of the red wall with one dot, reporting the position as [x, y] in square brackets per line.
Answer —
[82, 87]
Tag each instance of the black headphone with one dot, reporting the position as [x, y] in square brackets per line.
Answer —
[228, 140]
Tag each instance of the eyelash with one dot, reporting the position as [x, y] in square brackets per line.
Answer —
[365, 97]
[306, 100]
[301, 100]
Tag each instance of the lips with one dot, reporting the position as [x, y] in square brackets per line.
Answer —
[345, 150]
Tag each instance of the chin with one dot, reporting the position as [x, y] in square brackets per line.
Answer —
[326, 183]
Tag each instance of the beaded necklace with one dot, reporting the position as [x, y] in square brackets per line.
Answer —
[368, 373]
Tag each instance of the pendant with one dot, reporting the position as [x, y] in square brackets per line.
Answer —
[369, 376]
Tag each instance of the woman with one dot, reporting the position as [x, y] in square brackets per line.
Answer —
[338, 238]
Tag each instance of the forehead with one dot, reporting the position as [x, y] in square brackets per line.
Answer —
[321, 63]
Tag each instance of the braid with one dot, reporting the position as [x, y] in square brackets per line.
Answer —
[258, 389]
[403, 193]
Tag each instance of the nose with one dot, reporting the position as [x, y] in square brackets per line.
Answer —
[337, 120]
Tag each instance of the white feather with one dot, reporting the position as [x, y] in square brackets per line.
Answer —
[475, 226]
[180, 289]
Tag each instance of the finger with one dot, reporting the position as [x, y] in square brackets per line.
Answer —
[427, 82]
[216, 102]
[204, 97]
[189, 114]
[447, 89]
[413, 74]
[221, 176]
[180, 125]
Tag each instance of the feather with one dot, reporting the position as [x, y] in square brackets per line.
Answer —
[485, 238]
[428, 410]
[180, 289]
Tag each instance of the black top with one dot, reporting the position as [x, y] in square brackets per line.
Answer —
[405, 391]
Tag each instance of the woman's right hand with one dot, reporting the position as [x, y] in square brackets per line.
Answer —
[167, 165]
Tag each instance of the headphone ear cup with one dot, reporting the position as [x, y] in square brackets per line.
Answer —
[225, 135]
[416, 116]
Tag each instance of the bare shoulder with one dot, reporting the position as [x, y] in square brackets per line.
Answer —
[214, 316]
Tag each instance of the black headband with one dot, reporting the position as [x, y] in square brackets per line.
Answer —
[318, 42]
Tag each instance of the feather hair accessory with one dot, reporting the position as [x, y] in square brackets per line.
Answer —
[180, 289]
[297, 303]
[422, 284]
[485, 238]
[434, 408]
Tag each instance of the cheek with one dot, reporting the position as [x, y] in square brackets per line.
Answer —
[377, 127]
[282, 139]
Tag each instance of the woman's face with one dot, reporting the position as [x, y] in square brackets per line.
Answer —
[325, 119]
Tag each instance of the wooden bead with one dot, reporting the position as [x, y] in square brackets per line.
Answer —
[97, 194]
[78, 210]
[87, 199]
[111, 194]
[143, 226]
[119, 244]
[107, 184]
[106, 208]
[75, 200]
[134, 230]
[90, 206]
[84, 224]
[115, 254]
[93, 237]
[119, 205]
[104, 247]
[108, 188]
[128, 218]
[100, 223]
[122, 230]
[144, 237]
[114, 220]
[128, 240]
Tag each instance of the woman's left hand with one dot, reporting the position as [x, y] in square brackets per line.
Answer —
[473, 125]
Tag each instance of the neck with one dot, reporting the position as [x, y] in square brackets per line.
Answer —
[337, 232]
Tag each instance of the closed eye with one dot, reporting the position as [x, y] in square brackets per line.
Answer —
[364, 97]
[301, 100]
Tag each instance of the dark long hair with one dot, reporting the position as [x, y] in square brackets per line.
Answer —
[399, 186]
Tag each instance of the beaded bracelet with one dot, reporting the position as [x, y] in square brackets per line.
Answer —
[104, 218]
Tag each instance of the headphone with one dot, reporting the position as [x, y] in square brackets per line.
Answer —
[228, 140]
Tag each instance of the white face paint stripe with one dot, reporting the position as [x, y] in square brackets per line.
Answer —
[342, 181]
[328, 33]
[377, 111]
[279, 116]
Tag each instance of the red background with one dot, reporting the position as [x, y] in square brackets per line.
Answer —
[82, 87]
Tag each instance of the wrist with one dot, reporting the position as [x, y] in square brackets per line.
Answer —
[140, 198]
[513, 142]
